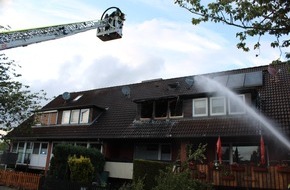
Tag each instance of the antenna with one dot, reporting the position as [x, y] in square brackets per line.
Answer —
[66, 96]
[126, 91]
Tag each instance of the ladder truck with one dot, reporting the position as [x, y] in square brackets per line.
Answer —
[109, 27]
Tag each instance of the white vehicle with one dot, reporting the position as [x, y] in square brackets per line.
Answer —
[108, 28]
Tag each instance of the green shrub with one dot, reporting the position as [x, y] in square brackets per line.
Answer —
[135, 185]
[59, 167]
[81, 169]
[168, 180]
[147, 170]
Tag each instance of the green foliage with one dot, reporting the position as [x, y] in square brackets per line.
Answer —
[16, 100]
[147, 171]
[3, 146]
[81, 169]
[167, 180]
[254, 17]
[196, 155]
[136, 185]
[59, 166]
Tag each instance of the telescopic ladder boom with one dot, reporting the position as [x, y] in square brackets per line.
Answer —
[108, 28]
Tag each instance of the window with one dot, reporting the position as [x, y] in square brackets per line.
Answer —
[147, 110]
[165, 152]
[217, 106]
[246, 154]
[241, 154]
[46, 118]
[97, 146]
[36, 148]
[78, 97]
[153, 152]
[75, 116]
[175, 108]
[65, 117]
[200, 107]
[14, 147]
[84, 117]
[43, 149]
[161, 108]
[235, 107]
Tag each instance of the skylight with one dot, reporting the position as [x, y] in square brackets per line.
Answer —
[78, 97]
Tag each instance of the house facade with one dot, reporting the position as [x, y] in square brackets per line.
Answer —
[157, 119]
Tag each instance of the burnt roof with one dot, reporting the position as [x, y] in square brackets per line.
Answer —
[118, 119]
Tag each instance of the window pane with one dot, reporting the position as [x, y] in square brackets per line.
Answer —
[165, 152]
[84, 116]
[75, 116]
[149, 152]
[146, 109]
[65, 117]
[96, 146]
[161, 108]
[246, 154]
[36, 148]
[226, 154]
[175, 108]
[14, 147]
[199, 107]
[235, 107]
[52, 118]
[43, 148]
[217, 105]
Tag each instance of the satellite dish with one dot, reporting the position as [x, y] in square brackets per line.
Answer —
[189, 81]
[126, 91]
[66, 96]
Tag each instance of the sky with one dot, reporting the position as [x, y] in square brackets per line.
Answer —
[158, 41]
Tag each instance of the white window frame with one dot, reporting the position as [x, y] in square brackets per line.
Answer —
[239, 112]
[65, 120]
[224, 105]
[74, 116]
[84, 115]
[193, 106]
[80, 117]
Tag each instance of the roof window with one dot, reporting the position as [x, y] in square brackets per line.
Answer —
[78, 97]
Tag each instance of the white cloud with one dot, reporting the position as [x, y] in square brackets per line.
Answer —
[153, 48]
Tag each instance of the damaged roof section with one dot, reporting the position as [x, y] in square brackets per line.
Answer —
[120, 108]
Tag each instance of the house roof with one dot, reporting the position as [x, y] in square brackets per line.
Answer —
[119, 104]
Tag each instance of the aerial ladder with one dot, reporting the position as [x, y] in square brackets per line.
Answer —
[109, 27]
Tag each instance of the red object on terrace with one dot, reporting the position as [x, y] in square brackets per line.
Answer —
[219, 149]
[262, 149]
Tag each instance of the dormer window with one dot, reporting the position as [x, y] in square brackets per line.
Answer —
[46, 118]
[217, 106]
[76, 116]
[160, 109]
[199, 107]
[235, 107]
[147, 109]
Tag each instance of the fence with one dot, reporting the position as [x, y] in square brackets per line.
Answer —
[271, 177]
[27, 181]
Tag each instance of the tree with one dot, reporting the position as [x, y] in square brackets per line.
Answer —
[254, 17]
[16, 100]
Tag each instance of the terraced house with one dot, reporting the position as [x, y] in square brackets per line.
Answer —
[157, 119]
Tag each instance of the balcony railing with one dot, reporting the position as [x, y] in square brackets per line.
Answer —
[271, 177]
